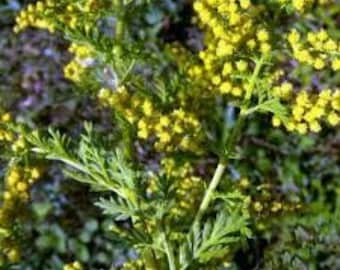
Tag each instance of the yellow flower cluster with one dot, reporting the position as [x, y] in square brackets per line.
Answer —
[18, 182]
[19, 144]
[232, 30]
[73, 266]
[135, 265]
[32, 16]
[81, 51]
[170, 131]
[5, 135]
[189, 187]
[235, 32]
[316, 49]
[309, 110]
[75, 70]
[303, 5]
[266, 203]
[48, 14]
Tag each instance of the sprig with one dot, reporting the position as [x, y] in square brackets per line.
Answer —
[89, 162]
[215, 239]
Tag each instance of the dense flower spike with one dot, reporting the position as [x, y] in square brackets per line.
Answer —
[310, 110]
[317, 49]
[42, 14]
[5, 134]
[12, 208]
[172, 131]
[189, 187]
[236, 34]
[76, 70]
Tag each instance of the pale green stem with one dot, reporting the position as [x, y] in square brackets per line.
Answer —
[210, 191]
[232, 141]
[254, 77]
[169, 252]
[120, 27]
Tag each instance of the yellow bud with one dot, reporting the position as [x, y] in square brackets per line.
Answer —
[333, 119]
[242, 65]
[336, 64]
[262, 35]
[22, 187]
[244, 183]
[258, 206]
[6, 117]
[225, 87]
[319, 63]
[315, 126]
[13, 255]
[245, 4]
[35, 173]
[302, 128]
[276, 121]
[216, 80]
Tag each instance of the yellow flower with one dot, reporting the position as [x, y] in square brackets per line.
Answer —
[265, 48]
[164, 121]
[276, 121]
[227, 69]
[258, 206]
[286, 89]
[302, 128]
[315, 126]
[216, 80]
[245, 4]
[242, 65]
[6, 117]
[164, 137]
[319, 63]
[262, 35]
[73, 266]
[299, 4]
[336, 64]
[333, 119]
[225, 87]
[147, 108]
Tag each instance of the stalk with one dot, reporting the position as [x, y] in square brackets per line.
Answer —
[169, 252]
[220, 169]
[210, 191]
[120, 26]
[232, 141]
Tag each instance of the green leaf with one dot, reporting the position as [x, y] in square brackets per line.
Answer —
[118, 208]
[273, 105]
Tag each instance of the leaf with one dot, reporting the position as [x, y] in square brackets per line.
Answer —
[89, 162]
[217, 238]
[273, 105]
[117, 208]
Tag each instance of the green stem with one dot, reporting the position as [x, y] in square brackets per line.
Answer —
[169, 252]
[234, 136]
[208, 195]
[120, 27]
[232, 141]
[255, 75]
